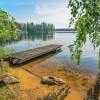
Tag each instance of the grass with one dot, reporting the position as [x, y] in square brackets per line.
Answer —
[6, 93]
[5, 69]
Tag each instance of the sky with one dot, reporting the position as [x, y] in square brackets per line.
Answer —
[50, 11]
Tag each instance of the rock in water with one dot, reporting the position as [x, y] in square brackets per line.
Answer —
[46, 80]
[10, 80]
[57, 80]
[58, 95]
[51, 80]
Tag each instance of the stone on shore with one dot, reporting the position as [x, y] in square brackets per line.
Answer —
[51, 80]
[10, 80]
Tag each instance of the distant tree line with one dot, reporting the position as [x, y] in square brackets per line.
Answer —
[32, 28]
[66, 29]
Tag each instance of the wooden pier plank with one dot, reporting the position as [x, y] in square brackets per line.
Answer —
[32, 53]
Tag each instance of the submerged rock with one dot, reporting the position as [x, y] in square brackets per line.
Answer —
[10, 80]
[46, 80]
[52, 80]
[50, 96]
[58, 95]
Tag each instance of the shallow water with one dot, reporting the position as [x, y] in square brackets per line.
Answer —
[89, 60]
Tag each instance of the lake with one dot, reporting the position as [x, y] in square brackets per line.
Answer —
[89, 60]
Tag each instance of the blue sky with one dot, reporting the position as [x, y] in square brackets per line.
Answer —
[37, 11]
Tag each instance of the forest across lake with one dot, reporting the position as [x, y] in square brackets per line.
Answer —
[66, 30]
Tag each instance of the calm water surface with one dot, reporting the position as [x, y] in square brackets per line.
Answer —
[89, 60]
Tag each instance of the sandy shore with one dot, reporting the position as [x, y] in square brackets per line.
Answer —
[30, 75]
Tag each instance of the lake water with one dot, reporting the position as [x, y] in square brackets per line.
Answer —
[89, 60]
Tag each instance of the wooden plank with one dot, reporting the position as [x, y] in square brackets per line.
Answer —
[32, 53]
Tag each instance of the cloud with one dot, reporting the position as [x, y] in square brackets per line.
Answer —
[53, 12]
[44, 10]
[58, 14]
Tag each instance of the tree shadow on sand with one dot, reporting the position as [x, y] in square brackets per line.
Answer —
[94, 92]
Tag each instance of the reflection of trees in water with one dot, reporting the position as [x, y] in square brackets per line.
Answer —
[94, 92]
[42, 37]
[32, 37]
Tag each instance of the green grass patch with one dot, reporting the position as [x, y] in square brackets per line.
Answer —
[6, 93]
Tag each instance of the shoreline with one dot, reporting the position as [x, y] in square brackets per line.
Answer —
[29, 74]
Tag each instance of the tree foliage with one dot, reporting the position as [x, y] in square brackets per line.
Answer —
[86, 18]
[7, 27]
[7, 32]
[6, 52]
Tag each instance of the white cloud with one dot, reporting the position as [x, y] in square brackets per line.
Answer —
[57, 14]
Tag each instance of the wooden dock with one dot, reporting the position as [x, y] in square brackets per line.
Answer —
[21, 57]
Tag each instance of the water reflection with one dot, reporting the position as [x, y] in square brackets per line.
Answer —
[89, 60]
[43, 37]
[32, 37]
